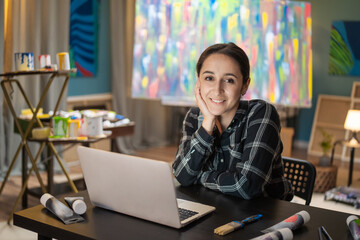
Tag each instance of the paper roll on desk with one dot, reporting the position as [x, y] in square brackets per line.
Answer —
[60, 210]
[293, 222]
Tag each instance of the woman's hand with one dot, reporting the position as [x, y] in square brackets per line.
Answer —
[209, 119]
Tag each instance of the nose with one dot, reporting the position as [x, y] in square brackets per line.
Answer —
[218, 88]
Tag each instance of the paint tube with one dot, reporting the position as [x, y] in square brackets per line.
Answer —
[293, 222]
[353, 223]
[63, 212]
[77, 204]
[281, 234]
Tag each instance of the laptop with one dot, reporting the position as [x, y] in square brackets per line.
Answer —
[135, 186]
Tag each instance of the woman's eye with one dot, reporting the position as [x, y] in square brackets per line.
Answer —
[229, 80]
[208, 78]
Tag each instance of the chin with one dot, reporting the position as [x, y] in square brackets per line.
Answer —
[216, 112]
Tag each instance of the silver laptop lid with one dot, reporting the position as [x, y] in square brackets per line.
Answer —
[131, 185]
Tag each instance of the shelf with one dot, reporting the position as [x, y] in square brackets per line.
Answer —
[38, 71]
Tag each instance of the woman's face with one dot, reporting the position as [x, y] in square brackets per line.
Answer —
[221, 84]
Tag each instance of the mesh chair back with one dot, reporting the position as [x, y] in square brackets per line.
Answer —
[302, 176]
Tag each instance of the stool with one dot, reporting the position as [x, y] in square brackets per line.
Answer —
[325, 178]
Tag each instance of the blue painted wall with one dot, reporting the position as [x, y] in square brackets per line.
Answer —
[101, 83]
[323, 83]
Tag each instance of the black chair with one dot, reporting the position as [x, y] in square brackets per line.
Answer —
[302, 176]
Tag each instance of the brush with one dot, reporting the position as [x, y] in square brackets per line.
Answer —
[234, 225]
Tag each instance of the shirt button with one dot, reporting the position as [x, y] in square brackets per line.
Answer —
[229, 128]
[222, 160]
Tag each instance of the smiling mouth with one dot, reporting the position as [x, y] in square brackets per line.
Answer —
[217, 101]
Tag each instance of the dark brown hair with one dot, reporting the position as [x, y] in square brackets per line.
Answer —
[229, 49]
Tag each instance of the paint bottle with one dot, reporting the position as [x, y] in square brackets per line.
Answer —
[281, 234]
[77, 204]
[353, 223]
[293, 222]
[63, 212]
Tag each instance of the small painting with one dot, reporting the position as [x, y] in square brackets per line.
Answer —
[345, 48]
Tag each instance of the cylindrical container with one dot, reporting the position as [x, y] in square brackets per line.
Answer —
[74, 128]
[353, 223]
[45, 61]
[60, 126]
[77, 204]
[24, 61]
[94, 126]
[281, 234]
[63, 61]
[59, 209]
[293, 222]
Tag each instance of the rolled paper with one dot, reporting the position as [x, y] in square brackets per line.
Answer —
[77, 204]
[281, 234]
[293, 222]
[60, 210]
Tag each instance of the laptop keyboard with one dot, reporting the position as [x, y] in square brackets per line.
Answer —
[184, 213]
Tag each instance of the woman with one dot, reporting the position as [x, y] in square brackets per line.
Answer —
[229, 145]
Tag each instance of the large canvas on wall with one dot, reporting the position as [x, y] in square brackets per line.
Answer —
[345, 48]
[170, 36]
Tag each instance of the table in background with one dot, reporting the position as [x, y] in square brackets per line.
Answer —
[104, 224]
[118, 131]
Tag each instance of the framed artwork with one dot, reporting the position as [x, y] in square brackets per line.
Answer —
[83, 36]
[345, 48]
[170, 36]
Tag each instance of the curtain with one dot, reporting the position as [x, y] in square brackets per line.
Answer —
[2, 126]
[40, 27]
[155, 124]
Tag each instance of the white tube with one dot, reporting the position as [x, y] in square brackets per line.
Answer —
[353, 223]
[293, 222]
[77, 204]
[63, 212]
[281, 234]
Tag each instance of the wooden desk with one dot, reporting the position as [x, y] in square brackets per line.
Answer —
[105, 224]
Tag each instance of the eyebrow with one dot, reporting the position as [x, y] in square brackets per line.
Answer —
[226, 74]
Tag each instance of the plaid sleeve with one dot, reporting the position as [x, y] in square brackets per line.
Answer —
[196, 145]
[255, 157]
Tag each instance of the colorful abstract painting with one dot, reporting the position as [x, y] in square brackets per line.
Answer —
[276, 35]
[83, 36]
[345, 48]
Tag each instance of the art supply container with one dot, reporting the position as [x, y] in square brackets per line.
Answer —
[24, 61]
[45, 61]
[293, 222]
[94, 126]
[63, 61]
[353, 223]
[60, 126]
[63, 212]
[40, 133]
[74, 128]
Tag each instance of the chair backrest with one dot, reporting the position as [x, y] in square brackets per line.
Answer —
[302, 176]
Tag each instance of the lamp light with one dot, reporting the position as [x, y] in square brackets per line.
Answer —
[352, 123]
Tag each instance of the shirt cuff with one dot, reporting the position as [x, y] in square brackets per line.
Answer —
[204, 138]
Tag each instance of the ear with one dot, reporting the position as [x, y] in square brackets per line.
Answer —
[245, 87]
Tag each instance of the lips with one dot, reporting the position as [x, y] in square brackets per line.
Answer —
[217, 100]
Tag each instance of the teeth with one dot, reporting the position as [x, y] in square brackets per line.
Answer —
[217, 101]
